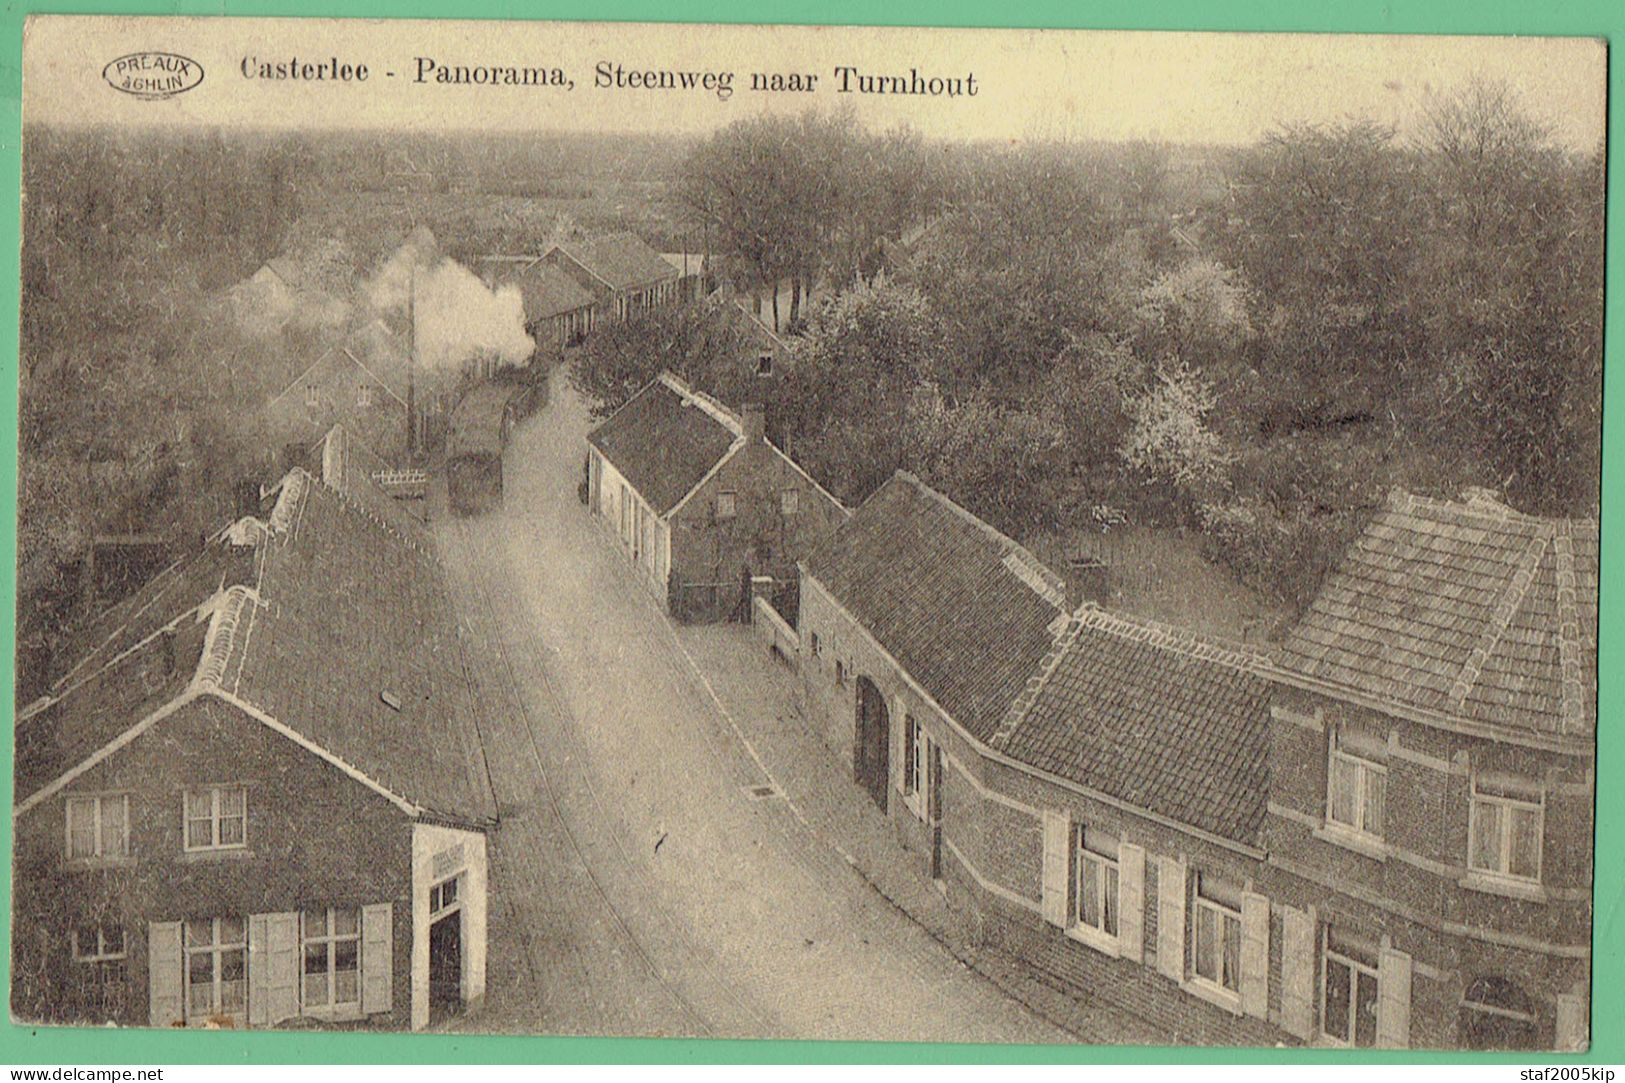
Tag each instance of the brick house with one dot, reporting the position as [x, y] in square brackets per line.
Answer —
[1141, 815]
[1434, 731]
[624, 274]
[700, 499]
[255, 801]
[361, 383]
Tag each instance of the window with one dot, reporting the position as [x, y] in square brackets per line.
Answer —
[727, 505]
[443, 897]
[1356, 787]
[216, 818]
[840, 671]
[102, 952]
[1348, 1012]
[216, 966]
[332, 941]
[1496, 1014]
[313, 395]
[1097, 881]
[790, 501]
[1216, 922]
[1506, 826]
[363, 396]
[914, 756]
[815, 646]
[98, 827]
[764, 364]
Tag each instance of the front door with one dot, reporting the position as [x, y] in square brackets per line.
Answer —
[446, 965]
[872, 759]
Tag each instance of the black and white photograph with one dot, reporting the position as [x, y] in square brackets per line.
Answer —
[825, 533]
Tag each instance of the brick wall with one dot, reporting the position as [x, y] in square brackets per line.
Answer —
[315, 837]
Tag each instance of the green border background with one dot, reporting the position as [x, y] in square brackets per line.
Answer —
[1589, 18]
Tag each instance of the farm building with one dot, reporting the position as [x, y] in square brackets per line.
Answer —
[256, 800]
[700, 500]
[1341, 845]
[626, 275]
[559, 312]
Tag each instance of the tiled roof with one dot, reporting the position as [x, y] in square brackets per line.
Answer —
[345, 634]
[547, 291]
[344, 462]
[1155, 718]
[665, 440]
[351, 617]
[621, 259]
[1466, 609]
[964, 609]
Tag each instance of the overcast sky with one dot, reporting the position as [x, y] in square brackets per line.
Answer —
[1181, 87]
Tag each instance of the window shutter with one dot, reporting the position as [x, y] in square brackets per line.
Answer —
[1573, 1023]
[1297, 973]
[377, 958]
[282, 959]
[1255, 955]
[164, 969]
[1057, 866]
[1394, 1000]
[259, 971]
[1171, 918]
[1131, 901]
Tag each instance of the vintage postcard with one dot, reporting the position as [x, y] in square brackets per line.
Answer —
[808, 532]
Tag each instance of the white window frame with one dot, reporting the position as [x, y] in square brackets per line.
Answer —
[95, 800]
[1507, 805]
[313, 395]
[363, 396]
[789, 502]
[1356, 967]
[1222, 914]
[916, 757]
[100, 954]
[217, 948]
[215, 818]
[732, 497]
[1109, 868]
[438, 906]
[330, 940]
[1366, 770]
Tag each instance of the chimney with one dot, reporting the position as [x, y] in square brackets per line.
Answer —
[753, 419]
[1086, 581]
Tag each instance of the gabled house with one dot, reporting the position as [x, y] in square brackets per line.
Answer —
[625, 274]
[700, 500]
[559, 312]
[1376, 837]
[259, 799]
[362, 383]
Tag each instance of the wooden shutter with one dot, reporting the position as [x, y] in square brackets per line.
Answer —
[1394, 1000]
[282, 966]
[259, 971]
[1131, 901]
[1573, 1023]
[1297, 973]
[1057, 866]
[1255, 955]
[1171, 918]
[377, 958]
[164, 971]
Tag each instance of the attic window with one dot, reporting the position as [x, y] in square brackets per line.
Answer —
[313, 395]
[363, 396]
[390, 699]
[764, 364]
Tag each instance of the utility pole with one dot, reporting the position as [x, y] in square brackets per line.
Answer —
[412, 365]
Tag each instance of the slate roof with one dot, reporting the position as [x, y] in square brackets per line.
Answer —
[1155, 718]
[665, 440]
[343, 614]
[1462, 608]
[964, 609]
[621, 259]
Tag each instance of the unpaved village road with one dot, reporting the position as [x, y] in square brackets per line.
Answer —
[637, 887]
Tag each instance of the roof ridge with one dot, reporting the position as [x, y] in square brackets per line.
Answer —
[710, 405]
[1489, 508]
[1057, 584]
[290, 496]
[1022, 704]
[1572, 702]
[220, 638]
[1167, 637]
[1512, 596]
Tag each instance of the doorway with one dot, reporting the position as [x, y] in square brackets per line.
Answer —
[872, 752]
[445, 948]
